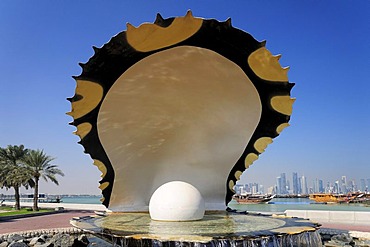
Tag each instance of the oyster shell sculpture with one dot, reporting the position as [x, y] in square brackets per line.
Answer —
[182, 99]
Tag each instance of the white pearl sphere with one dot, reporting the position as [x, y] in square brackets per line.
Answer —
[176, 201]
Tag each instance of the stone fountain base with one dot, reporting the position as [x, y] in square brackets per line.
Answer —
[219, 229]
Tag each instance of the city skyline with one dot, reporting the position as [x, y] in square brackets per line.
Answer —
[325, 44]
[300, 184]
[361, 184]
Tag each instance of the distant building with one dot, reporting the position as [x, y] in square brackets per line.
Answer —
[363, 186]
[287, 189]
[295, 183]
[254, 188]
[283, 184]
[336, 188]
[343, 185]
[261, 189]
[304, 185]
[351, 186]
[328, 188]
[318, 186]
[271, 190]
[315, 186]
[278, 185]
[321, 186]
[247, 188]
[310, 190]
[239, 189]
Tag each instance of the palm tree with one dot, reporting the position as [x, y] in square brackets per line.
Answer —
[13, 174]
[39, 165]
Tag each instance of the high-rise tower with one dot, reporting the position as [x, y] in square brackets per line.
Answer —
[295, 183]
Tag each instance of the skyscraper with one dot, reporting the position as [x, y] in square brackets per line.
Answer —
[318, 186]
[295, 183]
[239, 189]
[278, 186]
[351, 186]
[288, 188]
[254, 188]
[261, 189]
[336, 187]
[328, 188]
[343, 185]
[362, 185]
[304, 185]
[321, 186]
[283, 184]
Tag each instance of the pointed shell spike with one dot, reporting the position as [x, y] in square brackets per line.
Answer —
[129, 26]
[189, 13]
[228, 22]
[158, 18]
[96, 49]
[263, 43]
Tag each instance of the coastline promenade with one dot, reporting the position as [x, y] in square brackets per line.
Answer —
[61, 220]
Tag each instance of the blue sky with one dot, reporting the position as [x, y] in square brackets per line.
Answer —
[325, 43]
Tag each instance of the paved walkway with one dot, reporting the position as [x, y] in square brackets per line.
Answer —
[59, 220]
[348, 227]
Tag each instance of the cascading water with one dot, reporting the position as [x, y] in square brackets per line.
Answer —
[306, 239]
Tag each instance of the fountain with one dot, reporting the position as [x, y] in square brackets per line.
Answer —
[172, 113]
[219, 229]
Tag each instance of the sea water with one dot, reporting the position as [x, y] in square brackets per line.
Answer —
[81, 199]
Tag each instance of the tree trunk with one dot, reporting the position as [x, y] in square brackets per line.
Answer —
[36, 195]
[17, 198]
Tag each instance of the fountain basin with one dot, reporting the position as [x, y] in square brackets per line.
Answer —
[217, 228]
